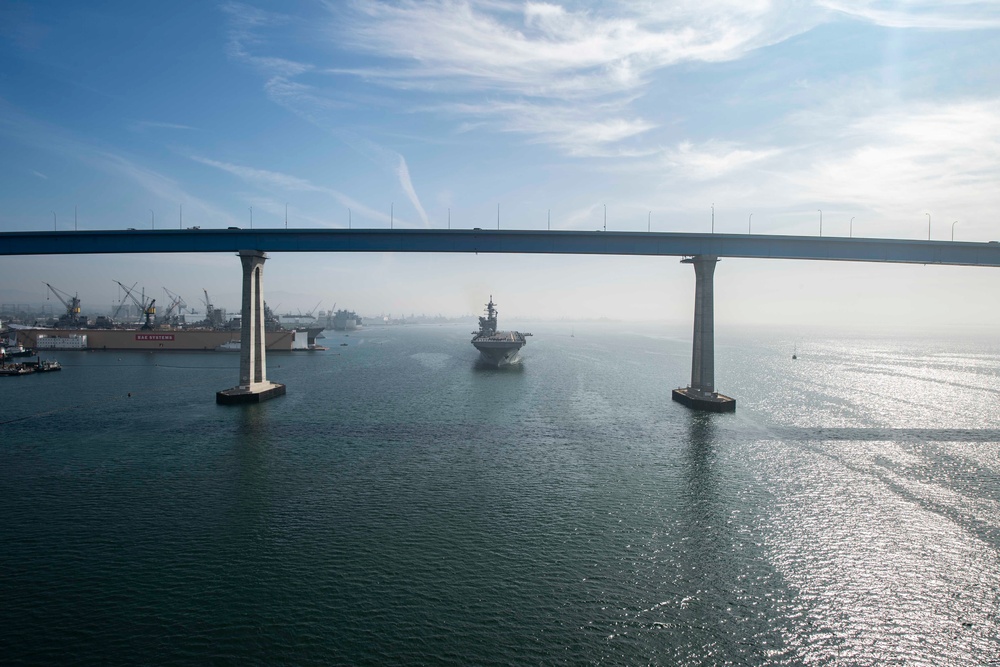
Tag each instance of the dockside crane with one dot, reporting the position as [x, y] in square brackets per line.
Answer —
[176, 302]
[121, 302]
[148, 309]
[213, 316]
[72, 303]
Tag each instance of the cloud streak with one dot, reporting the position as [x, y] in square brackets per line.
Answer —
[144, 125]
[543, 50]
[953, 15]
[564, 76]
[56, 141]
[274, 179]
[404, 180]
[573, 75]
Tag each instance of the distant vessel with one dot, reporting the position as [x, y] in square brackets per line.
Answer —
[346, 320]
[497, 348]
[13, 349]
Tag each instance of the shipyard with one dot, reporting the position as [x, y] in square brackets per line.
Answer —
[136, 324]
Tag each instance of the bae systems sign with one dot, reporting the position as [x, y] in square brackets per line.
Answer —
[154, 336]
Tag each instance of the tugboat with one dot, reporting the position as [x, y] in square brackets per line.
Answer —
[29, 367]
[497, 348]
[11, 348]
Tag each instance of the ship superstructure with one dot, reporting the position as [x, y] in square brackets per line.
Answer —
[345, 320]
[497, 348]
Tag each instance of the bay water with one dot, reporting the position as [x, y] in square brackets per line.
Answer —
[402, 505]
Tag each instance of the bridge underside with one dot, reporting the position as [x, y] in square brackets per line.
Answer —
[668, 244]
[703, 251]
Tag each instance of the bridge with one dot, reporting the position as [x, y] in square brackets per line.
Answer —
[701, 250]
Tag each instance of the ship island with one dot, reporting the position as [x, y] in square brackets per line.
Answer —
[497, 348]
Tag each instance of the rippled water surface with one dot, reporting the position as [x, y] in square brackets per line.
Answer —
[401, 505]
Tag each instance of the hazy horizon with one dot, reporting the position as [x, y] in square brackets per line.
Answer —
[865, 118]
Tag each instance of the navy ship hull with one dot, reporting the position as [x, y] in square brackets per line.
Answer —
[497, 348]
[501, 349]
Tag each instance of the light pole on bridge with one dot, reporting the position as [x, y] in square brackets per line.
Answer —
[152, 219]
[852, 228]
[749, 222]
[953, 230]
[55, 224]
[605, 217]
[928, 226]
[713, 217]
[820, 222]
[251, 217]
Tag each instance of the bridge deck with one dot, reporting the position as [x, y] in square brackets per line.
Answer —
[501, 241]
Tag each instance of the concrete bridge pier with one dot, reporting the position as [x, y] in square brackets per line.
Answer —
[701, 395]
[254, 386]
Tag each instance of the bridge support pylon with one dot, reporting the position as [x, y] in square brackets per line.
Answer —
[701, 395]
[254, 386]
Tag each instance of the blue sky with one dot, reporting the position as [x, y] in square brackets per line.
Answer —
[125, 114]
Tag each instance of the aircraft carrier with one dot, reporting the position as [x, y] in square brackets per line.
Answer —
[497, 348]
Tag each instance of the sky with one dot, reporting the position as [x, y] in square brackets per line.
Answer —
[871, 118]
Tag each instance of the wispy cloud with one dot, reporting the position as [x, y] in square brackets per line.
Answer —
[572, 75]
[57, 141]
[274, 179]
[144, 125]
[952, 15]
[39, 174]
[713, 159]
[575, 130]
[262, 176]
[544, 50]
[157, 184]
[283, 85]
[246, 23]
[564, 75]
[937, 156]
[404, 180]
[893, 164]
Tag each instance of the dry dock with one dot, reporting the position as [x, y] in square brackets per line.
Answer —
[155, 339]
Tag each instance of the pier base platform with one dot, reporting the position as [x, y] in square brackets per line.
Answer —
[257, 394]
[697, 400]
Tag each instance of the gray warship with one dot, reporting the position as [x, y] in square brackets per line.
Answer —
[497, 348]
